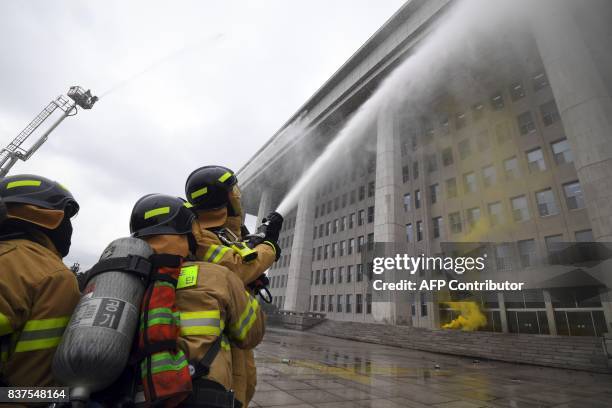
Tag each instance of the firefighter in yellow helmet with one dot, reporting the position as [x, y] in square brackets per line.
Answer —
[213, 305]
[215, 197]
[38, 293]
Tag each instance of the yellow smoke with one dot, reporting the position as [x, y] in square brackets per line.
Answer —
[470, 318]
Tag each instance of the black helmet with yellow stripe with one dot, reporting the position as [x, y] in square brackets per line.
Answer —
[160, 214]
[208, 187]
[38, 191]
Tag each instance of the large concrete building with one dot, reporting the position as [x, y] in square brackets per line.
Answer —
[524, 158]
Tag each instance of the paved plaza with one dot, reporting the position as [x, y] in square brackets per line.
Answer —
[297, 369]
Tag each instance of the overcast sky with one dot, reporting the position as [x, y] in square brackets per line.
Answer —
[228, 75]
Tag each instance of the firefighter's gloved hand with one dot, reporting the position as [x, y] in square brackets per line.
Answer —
[262, 281]
[274, 223]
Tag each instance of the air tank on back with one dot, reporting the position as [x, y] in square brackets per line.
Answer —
[97, 342]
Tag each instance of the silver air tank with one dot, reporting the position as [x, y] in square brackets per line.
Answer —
[97, 342]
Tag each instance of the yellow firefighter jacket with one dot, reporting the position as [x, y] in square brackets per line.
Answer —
[210, 248]
[37, 296]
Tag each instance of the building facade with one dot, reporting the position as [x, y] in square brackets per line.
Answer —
[524, 160]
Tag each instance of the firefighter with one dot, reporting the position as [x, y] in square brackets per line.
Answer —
[214, 194]
[38, 293]
[214, 307]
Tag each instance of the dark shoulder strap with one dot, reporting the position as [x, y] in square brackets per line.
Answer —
[203, 366]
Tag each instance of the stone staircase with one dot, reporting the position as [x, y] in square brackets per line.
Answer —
[580, 353]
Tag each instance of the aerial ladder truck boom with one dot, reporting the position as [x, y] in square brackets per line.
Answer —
[16, 150]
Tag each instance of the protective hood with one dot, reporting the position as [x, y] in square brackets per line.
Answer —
[212, 218]
[169, 244]
[43, 217]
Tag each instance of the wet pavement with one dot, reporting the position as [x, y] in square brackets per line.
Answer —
[297, 369]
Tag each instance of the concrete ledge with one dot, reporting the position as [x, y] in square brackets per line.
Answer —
[578, 353]
[295, 320]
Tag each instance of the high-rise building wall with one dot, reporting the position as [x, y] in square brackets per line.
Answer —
[523, 159]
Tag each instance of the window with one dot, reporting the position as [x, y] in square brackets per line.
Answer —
[319, 252]
[361, 192]
[511, 168]
[359, 304]
[417, 199]
[351, 245]
[360, 242]
[502, 132]
[535, 160]
[546, 203]
[342, 247]
[539, 81]
[339, 304]
[370, 241]
[371, 189]
[419, 227]
[370, 215]
[343, 223]
[551, 242]
[340, 271]
[359, 277]
[322, 308]
[314, 235]
[423, 305]
[415, 170]
[330, 304]
[321, 230]
[432, 163]
[335, 226]
[460, 120]
[455, 222]
[371, 165]
[517, 91]
[407, 202]
[313, 257]
[352, 196]
[527, 252]
[409, 237]
[344, 198]
[324, 277]
[360, 217]
[562, 152]
[550, 113]
[584, 236]
[483, 141]
[322, 210]
[497, 101]
[316, 211]
[349, 273]
[465, 150]
[368, 303]
[451, 188]
[444, 125]
[336, 203]
[526, 123]
[573, 195]
[489, 176]
[351, 220]
[327, 228]
[469, 182]
[520, 209]
[317, 277]
[447, 156]
[334, 249]
[331, 276]
[437, 227]
[473, 216]
[495, 214]
[405, 174]
[315, 303]
[477, 111]
[329, 206]
[434, 193]
[348, 304]
[325, 251]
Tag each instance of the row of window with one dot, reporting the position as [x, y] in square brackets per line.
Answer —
[326, 208]
[279, 281]
[283, 261]
[342, 179]
[325, 303]
[548, 111]
[338, 275]
[561, 152]
[342, 247]
[546, 206]
[288, 224]
[344, 223]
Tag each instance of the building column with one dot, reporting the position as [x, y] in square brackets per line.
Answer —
[265, 205]
[502, 312]
[391, 306]
[298, 280]
[550, 313]
[585, 107]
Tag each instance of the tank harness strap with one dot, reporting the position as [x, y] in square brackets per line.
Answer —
[167, 261]
[137, 265]
[202, 367]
